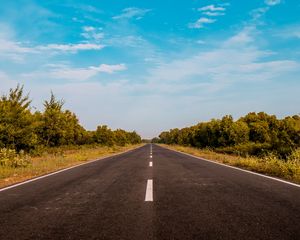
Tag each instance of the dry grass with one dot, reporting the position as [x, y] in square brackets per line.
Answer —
[56, 159]
[270, 165]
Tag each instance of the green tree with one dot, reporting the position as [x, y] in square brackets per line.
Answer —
[104, 136]
[59, 127]
[17, 123]
[120, 137]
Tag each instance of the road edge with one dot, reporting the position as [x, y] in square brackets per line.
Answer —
[236, 168]
[64, 169]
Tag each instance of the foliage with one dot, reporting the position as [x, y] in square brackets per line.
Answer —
[257, 134]
[24, 130]
[17, 124]
[10, 158]
[58, 127]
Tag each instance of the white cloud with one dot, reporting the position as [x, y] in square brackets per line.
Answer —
[88, 28]
[132, 12]
[110, 68]
[201, 22]
[272, 2]
[82, 74]
[16, 51]
[92, 33]
[14, 47]
[292, 31]
[244, 37]
[210, 11]
[213, 14]
[237, 60]
[71, 47]
[212, 8]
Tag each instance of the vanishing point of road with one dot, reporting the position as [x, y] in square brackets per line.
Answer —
[151, 193]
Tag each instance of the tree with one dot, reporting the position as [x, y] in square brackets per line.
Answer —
[59, 127]
[104, 136]
[120, 137]
[17, 124]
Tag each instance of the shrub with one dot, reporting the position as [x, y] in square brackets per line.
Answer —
[10, 158]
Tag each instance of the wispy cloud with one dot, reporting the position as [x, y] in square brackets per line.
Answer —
[291, 31]
[242, 38]
[7, 46]
[73, 48]
[272, 2]
[92, 33]
[132, 12]
[82, 74]
[208, 11]
[201, 22]
[85, 8]
[211, 8]
[261, 11]
[16, 51]
[237, 60]
[213, 14]
[110, 68]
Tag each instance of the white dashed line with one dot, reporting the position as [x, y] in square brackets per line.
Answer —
[150, 164]
[149, 191]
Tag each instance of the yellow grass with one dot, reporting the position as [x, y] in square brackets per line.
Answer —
[270, 165]
[57, 159]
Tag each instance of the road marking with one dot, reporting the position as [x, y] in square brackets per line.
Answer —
[150, 164]
[63, 170]
[149, 191]
[236, 168]
[150, 156]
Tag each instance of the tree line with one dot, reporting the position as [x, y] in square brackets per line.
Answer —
[254, 134]
[24, 129]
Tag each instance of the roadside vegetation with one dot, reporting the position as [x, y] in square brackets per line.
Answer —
[34, 143]
[257, 142]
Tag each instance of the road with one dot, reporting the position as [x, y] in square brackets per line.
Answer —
[167, 196]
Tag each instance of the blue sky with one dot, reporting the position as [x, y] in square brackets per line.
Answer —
[154, 65]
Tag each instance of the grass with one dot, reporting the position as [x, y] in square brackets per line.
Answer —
[56, 159]
[269, 165]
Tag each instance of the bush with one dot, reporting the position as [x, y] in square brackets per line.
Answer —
[256, 134]
[244, 150]
[295, 156]
[10, 158]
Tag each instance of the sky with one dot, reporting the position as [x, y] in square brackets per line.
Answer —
[154, 65]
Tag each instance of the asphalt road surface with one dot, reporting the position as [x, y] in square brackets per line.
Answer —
[136, 196]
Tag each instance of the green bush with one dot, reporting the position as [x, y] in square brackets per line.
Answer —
[256, 134]
[10, 158]
[247, 149]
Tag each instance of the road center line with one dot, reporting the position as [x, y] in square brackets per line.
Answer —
[149, 191]
[150, 164]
